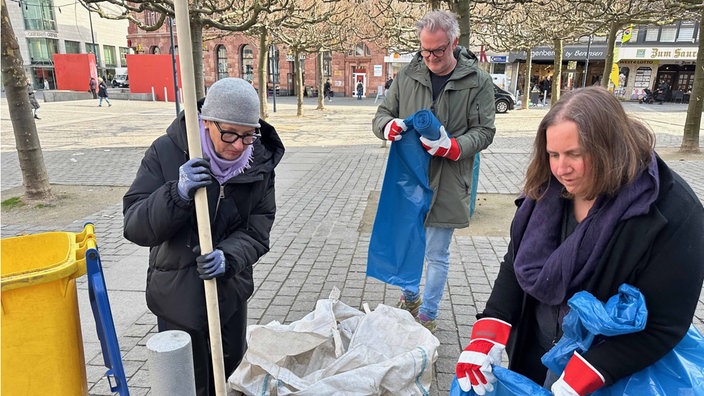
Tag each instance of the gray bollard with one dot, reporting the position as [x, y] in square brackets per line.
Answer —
[171, 364]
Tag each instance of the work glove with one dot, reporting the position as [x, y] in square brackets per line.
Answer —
[394, 129]
[489, 337]
[444, 146]
[211, 265]
[579, 378]
[192, 175]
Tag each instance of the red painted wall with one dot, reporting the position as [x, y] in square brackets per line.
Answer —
[73, 71]
[149, 71]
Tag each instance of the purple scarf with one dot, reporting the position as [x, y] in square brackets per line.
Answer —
[547, 269]
[223, 169]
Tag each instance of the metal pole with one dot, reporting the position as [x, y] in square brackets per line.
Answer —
[95, 49]
[586, 64]
[173, 63]
[272, 54]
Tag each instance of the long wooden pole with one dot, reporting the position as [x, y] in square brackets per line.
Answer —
[185, 50]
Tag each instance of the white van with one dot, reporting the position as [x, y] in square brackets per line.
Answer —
[121, 80]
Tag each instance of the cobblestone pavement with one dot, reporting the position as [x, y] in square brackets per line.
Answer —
[333, 165]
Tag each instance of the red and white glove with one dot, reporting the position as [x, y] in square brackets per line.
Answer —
[489, 337]
[579, 378]
[394, 129]
[444, 146]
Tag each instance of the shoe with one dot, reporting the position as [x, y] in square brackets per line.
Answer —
[109, 104]
[411, 307]
[36, 117]
[429, 324]
[100, 105]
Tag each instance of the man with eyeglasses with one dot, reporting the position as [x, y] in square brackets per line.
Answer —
[444, 78]
[240, 152]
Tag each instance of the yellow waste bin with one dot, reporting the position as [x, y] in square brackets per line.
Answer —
[42, 345]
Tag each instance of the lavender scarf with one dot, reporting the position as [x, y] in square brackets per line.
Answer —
[548, 269]
[223, 169]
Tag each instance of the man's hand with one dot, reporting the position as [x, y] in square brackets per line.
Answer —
[394, 129]
[192, 175]
[474, 371]
[444, 146]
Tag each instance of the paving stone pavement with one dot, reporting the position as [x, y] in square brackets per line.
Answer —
[332, 166]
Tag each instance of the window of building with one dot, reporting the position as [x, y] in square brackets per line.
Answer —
[361, 49]
[222, 62]
[109, 56]
[652, 33]
[686, 33]
[91, 49]
[668, 34]
[123, 56]
[38, 15]
[42, 49]
[274, 64]
[327, 63]
[72, 47]
[247, 57]
[642, 79]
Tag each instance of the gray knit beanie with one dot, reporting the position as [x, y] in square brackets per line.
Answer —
[232, 101]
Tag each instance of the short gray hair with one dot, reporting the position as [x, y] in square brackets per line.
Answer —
[440, 20]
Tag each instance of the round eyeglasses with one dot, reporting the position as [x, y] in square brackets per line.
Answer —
[437, 52]
[231, 136]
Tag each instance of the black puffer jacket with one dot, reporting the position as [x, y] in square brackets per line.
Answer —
[241, 216]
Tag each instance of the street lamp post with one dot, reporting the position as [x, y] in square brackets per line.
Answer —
[273, 64]
[586, 64]
[95, 50]
[173, 63]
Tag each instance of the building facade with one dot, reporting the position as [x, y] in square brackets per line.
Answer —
[44, 28]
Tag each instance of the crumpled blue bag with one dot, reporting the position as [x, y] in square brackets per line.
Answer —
[508, 383]
[677, 373]
[425, 122]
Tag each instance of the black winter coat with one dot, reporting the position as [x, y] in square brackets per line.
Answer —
[241, 216]
[661, 253]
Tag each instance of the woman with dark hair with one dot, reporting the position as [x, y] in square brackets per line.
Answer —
[599, 209]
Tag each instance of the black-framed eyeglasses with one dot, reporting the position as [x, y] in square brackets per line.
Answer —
[231, 136]
[437, 52]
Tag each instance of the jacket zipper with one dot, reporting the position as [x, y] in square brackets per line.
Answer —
[221, 196]
[479, 119]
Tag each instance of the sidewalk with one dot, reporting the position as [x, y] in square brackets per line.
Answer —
[326, 188]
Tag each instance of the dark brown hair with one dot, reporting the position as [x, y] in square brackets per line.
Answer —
[619, 147]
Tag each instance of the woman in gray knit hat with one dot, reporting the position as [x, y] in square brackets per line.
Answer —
[240, 152]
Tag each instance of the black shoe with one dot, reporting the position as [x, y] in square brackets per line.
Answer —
[36, 117]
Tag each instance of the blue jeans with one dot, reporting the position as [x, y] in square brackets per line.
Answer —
[437, 258]
[101, 101]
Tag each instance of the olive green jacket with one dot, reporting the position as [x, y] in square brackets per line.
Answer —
[466, 108]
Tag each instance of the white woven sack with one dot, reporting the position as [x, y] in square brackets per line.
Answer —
[337, 349]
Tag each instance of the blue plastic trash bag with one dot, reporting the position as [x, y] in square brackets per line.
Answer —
[425, 122]
[397, 243]
[508, 383]
[677, 373]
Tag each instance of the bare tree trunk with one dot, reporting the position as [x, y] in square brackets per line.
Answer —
[298, 82]
[263, 73]
[526, 80]
[692, 125]
[29, 150]
[609, 61]
[319, 66]
[557, 73]
[197, 41]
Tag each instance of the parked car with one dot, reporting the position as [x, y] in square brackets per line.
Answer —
[503, 100]
[121, 81]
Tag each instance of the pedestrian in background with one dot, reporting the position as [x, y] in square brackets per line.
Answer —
[360, 90]
[103, 93]
[32, 99]
[92, 87]
[599, 209]
[445, 78]
[236, 167]
[327, 90]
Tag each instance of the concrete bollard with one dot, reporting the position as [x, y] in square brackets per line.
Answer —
[171, 364]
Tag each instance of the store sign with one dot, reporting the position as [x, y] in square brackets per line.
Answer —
[40, 34]
[669, 53]
[576, 53]
[498, 59]
[398, 58]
